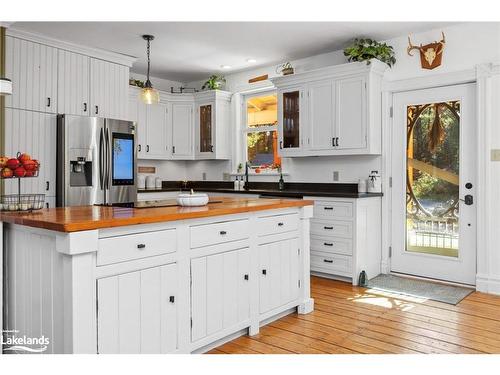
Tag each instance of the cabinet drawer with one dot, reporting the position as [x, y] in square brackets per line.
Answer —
[333, 210]
[136, 246]
[277, 224]
[336, 245]
[332, 228]
[331, 263]
[212, 234]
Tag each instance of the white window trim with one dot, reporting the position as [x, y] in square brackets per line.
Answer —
[244, 130]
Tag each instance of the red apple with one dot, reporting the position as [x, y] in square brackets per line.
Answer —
[29, 173]
[3, 161]
[20, 172]
[13, 163]
[37, 164]
[23, 158]
[7, 172]
[30, 165]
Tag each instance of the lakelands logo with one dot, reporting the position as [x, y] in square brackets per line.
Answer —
[12, 342]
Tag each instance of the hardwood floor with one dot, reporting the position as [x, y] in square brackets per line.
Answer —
[353, 320]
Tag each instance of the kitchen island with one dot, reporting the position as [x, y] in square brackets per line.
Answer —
[155, 280]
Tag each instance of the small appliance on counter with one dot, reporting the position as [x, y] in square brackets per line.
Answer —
[158, 183]
[150, 182]
[374, 182]
[141, 182]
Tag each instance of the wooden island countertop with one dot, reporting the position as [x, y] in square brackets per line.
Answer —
[80, 218]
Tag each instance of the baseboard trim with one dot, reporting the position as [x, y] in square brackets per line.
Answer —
[488, 284]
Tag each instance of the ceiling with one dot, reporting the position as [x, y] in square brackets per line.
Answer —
[190, 51]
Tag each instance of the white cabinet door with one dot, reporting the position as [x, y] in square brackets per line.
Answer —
[108, 89]
[137, 112]
[73, 83]
[350, 113]
[35, 134]
[205, 129]
[32, 67]
[279, 274]
[291, 119]
[220, 292]
[156, 135]
[137, 311]
[182, 130]
[321, 97]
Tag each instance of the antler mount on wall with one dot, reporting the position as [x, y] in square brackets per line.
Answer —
[431, 54]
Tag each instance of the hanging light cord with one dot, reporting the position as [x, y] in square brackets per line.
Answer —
[147, 51]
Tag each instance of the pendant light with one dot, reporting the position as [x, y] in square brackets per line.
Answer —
[148, 94]
[5, 86]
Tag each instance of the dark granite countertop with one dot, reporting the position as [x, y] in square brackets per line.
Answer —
[292, 189]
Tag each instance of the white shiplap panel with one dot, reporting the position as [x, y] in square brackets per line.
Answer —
[243, 295]
[285, 272]
[150, 310]
[198, 298]
[215, 297]
[47, 284]
[230, 284]
[264, 295]
[107, 315]
[168, 323]
[129, 312]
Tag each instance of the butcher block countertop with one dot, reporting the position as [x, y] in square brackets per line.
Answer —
[80, 218]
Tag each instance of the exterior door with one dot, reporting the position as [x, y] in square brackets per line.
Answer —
[434, 182]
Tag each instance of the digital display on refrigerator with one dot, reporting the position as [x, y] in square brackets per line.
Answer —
[123, 159]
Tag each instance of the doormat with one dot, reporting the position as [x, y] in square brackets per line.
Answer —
[420, 288]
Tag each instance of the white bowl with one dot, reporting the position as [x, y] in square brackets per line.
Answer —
[192, 199]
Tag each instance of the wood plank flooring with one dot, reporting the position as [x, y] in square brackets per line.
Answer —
[354, 320]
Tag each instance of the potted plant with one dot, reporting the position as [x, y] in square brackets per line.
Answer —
[214, 82]
[285, 69]
[367, 49]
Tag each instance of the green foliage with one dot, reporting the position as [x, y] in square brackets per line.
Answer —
[214, 82]
[366, 49]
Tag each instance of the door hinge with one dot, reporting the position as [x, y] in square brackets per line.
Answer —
[390, 182]
[391, 112]
[390, 251]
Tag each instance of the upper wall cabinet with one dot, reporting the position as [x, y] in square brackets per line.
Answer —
[73, 83]
[331, 111]
[108, 89]
[182, 130]
[32, 67]
[212, 130]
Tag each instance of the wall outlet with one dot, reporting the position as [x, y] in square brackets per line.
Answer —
[336, 176]
[204, 176]
[495, 155]
[226, 176]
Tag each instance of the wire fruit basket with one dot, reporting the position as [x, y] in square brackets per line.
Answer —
[24, 168]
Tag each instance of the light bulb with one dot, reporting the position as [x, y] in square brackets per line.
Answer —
[150, 96]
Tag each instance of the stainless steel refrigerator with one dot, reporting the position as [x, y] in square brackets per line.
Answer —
[96, 161]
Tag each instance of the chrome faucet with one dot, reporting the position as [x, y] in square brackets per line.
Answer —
[246, 186]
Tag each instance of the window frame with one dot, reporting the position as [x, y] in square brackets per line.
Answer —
[245, 129]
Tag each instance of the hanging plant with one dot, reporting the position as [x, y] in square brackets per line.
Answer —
[367, 49]
[214, 82]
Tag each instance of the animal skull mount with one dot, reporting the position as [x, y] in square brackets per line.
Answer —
[430, 54]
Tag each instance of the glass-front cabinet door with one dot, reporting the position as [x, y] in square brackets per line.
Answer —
[205, 112]
[290, 119]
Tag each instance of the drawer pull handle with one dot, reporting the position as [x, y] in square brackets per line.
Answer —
[171, 299]
[245, 277]
[327, 260]
[141, 246]
[329, 228]
[280, 224]
[327, 243]
[328, 208]
[222, 232]
[264, 272]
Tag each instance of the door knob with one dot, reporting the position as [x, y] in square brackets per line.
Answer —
[468, 200]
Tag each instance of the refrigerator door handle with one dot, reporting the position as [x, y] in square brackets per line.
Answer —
[108, 159]
[101, 160]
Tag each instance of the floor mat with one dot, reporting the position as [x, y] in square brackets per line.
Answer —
[420, 288]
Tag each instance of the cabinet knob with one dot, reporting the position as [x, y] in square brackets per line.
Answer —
[280, 224]
[328, 228]
[139, 146]
[264, 272]
[147, 148]
[173, 149]
[84, 107]
[328, 208]
[171, 299]
[222, 232]
[327, 260]
[47, 185]
[327, 243]
[48, 102]
[141, 246]
[245, 277]
[96, 109]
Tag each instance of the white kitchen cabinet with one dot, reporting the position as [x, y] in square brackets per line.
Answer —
[346, 237]
[279, 280]
[182, 130]
[73, 83]
[32, 67]
[338, 109]
[108, 89]
[291, 116]
[220, 292]
[35, 134]
[212, 131]
[137, 311]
